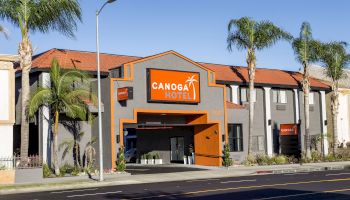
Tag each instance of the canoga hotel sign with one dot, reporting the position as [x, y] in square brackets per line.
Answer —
[169, 86]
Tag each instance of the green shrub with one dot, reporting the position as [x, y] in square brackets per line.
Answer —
[156, 156]
[226, 161]
[149, 156]
[250, 160]
[262, 159]
[330, 158]
[75, 171]
[66, 169]
[47, 171]
[316, 156]
[121, 166]
[279, 160]
[2, 167]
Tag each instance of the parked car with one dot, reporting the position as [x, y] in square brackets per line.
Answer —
[130, 155]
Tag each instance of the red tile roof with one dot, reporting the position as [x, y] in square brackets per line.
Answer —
[262, 76]
[80, 59]
[87, 61]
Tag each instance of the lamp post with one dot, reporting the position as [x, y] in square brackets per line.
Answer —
[99, 91]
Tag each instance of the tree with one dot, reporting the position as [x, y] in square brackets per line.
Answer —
[3, 31]
[306, 50]
[67, 95]
[37, 16]
[250, 35]
[335, 59]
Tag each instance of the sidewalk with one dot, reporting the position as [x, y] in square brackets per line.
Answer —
[211, 172]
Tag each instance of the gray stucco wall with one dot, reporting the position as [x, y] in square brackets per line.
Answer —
[281, 113]
[315, 116]
[211, 97]
[240, 116]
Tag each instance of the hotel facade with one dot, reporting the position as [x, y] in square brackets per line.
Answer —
[174, 106]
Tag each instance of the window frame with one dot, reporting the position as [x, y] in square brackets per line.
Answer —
[236, 140]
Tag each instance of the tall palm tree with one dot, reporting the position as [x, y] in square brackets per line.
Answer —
[37, 16]
[335, 59]
[68, 93]
[306, 50]
[250, 35]
[3, 31]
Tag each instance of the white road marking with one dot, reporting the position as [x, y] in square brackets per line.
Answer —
[337, 174]
[68, 191]
[240, 181]
[291, 174]
[287, 196]
[93, 194]
[201, 180]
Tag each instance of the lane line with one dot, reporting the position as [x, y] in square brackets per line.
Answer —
[68, 191]
[242, 187]
[93, 194]
[337, 174]
[240, 181]
[300, 173]
[202, 180]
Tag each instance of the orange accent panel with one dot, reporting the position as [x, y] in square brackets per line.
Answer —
[207, 145]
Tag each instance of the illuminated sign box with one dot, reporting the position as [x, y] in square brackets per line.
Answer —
[125, 93]
[170, 86]
[288, 129]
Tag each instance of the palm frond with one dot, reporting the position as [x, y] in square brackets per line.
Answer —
[4, 31]
[42, 96]
[267, 34]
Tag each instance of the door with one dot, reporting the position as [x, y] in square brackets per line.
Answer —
[177, 148]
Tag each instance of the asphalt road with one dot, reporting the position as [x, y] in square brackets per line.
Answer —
[316, 185]
[135, 169]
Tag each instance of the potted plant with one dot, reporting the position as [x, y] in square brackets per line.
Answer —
[143, 159]
[185, 160]
[150, 159]
[157, 159]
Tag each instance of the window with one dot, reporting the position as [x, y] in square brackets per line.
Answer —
[258, 143]
[311, 98]
[279, 96]
[235, 137]
[245, 95]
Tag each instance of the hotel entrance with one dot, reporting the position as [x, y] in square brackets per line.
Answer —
[172, 136]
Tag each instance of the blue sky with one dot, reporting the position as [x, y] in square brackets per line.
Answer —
[194, 28]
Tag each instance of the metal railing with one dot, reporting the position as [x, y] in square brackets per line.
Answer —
[17, 162]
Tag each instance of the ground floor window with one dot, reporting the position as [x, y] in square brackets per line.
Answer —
[235, 137]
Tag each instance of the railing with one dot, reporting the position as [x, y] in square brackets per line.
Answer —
[17, 162]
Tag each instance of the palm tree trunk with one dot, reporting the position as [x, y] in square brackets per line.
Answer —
[306, 89]
[25, 56]
[335, 107]
[251, 68]
[55, 145]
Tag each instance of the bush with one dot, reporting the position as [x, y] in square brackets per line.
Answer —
[66, 169]
[47, 171]
[149, 156]
[262, 159]
[316, 156]
[250, 160]
[226, 161]
[121, 161]
[156, 156]
[279, 160]
[2, 167]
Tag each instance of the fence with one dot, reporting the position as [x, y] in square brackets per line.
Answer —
[17, 162]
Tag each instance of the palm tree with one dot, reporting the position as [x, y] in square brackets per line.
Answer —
[250, 35]
[37, 16]
[68, 94]
[3, 31]
[334, 58]
[190, 81]
[306, 50]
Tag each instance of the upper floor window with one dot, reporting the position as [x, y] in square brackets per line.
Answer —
[279, 96]
[311, 98]
[245, 95]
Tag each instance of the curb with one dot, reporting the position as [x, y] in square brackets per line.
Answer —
[309, 169]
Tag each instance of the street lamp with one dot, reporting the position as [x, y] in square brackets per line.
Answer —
[99, 90]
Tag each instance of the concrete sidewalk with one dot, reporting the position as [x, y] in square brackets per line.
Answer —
[211, 172]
